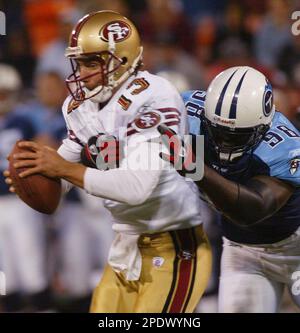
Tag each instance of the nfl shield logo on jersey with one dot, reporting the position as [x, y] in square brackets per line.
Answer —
[294, 164]
[158, 261]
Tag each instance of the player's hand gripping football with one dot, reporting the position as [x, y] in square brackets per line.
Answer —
[9, 181]
[40, 159]
[181, 154]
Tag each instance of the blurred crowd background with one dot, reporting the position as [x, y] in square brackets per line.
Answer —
[53, 263]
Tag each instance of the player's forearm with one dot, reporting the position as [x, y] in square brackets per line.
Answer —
[70, 151]
[132, 187]
[240, 204]
[74, 173]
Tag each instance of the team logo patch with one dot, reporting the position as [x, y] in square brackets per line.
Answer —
[294, 165]
[268, 100]
[119, 29]
[158, 261]
[147, 120]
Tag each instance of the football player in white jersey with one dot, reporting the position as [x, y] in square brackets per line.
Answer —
[160, 260]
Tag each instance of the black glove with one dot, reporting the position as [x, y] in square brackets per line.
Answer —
[181, 154]
[102, 152]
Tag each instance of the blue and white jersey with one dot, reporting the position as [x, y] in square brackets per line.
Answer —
[13, 127]
[278, 155]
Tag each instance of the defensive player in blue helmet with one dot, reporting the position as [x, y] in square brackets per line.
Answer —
[252, 176]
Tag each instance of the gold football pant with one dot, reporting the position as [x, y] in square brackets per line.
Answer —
[176, 266]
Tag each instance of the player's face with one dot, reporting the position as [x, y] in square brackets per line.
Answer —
[231, 140]
[90, 72]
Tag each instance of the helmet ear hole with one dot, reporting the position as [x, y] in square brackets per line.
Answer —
[124, 61]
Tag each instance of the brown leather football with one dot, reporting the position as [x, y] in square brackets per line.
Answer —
[37, 191]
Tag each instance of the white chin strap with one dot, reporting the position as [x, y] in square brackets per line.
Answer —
[102, 94]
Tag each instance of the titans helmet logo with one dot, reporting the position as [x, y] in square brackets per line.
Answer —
[268, 99]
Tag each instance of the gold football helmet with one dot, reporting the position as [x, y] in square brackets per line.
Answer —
[114, 41]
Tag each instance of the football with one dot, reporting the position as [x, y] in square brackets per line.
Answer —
[37, 191]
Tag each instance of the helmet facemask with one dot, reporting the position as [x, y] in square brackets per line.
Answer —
[232, 143]
[109, 64]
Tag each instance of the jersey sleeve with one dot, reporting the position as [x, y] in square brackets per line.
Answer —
[71, 146]
[287, 170]
[70, 149]
[280, 150]
[135, 180]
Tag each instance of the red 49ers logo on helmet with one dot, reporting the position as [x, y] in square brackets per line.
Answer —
[147, 120]
[119, 29]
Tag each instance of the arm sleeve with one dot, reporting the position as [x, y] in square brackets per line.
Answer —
[70, 150]
[134, 181]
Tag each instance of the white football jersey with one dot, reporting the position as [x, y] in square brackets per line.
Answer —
[142, 103]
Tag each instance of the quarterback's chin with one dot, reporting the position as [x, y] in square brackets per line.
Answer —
[90, 87]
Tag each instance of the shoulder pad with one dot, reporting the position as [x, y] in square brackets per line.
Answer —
[73, 105]
[194, 103]
[280, 150]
